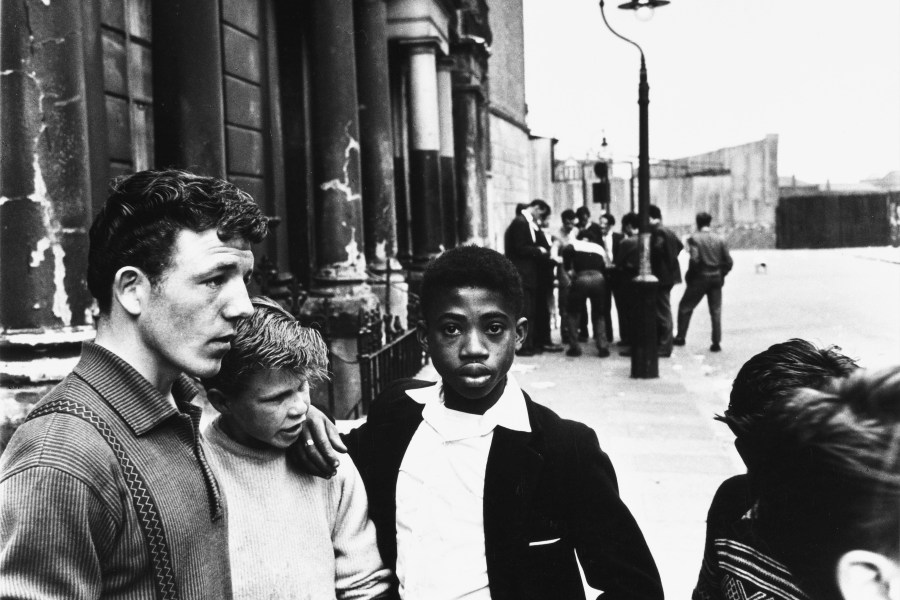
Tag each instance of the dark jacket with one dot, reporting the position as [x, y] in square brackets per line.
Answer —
[524, 252]
[664, 249]
[554, 482]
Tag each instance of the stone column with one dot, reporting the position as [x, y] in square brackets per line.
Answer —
[377, 154]
[399, 109]
[335, 145]
[447, 162]
[376, 135]
[424, 154]
[469, 124]
[54, 168]
[339, 289]
[189, 105]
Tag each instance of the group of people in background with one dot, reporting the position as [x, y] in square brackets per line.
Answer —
[589, 264]
[462, 487]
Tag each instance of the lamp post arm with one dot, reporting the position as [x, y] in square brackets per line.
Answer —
[619, 35]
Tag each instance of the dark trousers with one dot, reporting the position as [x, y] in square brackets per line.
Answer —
[528, 294]
[664, 318]
[588, 285]
[702, 285]
[542, 317]
[563, 302]
[624, 293]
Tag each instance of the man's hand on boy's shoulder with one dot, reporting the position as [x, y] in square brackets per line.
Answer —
[316, 452]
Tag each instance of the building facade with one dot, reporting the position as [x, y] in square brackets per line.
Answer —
[362, 127]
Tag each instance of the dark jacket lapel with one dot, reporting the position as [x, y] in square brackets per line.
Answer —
[513, 471]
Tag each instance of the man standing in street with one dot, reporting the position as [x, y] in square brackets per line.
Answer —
[664, 249]
[710, 263]
[563, 238]
[627, 258]
[105, 490]
[528, 249]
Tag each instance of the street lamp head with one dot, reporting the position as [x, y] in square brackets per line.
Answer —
[643, 8]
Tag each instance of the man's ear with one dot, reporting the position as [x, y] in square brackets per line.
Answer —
[422, 334]
[218, 400]
[865, 575]
[521, 332]
[131, 289]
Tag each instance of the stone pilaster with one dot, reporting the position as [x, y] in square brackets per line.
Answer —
[424, 153]
[447, 152]
[54, 165]
[189, 105]
[339, 288]
[472, 143]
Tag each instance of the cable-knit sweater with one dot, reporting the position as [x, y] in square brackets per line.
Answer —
[293, 535]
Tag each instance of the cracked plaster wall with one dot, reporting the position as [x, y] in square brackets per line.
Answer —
[44, 179]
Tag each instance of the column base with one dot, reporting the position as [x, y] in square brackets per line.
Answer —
[393, 294]
[334, 309]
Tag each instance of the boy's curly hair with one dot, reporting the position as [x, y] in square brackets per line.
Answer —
[471, 267]
[270, 338]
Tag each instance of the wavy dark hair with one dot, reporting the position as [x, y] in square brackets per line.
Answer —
[145, 211]
[774, 375]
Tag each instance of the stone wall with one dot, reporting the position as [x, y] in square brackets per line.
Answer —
[509, 182]
[738, 186]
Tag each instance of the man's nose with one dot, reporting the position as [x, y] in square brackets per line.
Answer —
[238, 305]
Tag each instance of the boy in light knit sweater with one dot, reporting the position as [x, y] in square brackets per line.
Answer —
[291, 535]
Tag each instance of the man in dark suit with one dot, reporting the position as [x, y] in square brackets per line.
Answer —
[528, 249]
[476, 490]
[664, 249]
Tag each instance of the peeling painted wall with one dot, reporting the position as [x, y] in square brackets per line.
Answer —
[44, 173]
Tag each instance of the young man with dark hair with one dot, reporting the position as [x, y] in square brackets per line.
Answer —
[477, 491]
[830, 507]
[610, 240]
[734, 556]
[626, 258]
[664, 249]
[563, 238]
[710, 262]
[290, 534]
[105, 490]
[528, 249]
[586, 270]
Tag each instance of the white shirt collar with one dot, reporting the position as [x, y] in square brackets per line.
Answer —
[509, 411]
[528, 216]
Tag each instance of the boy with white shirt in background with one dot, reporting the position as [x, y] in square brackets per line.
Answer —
[475, 490]
[291, 535]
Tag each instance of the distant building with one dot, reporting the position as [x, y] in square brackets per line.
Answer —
[738, 186]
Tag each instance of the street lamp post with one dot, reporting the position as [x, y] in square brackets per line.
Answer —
[644, 357]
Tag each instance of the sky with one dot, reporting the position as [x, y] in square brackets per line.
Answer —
[822, 74]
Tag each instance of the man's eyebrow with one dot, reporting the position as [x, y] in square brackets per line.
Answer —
[222, 264]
